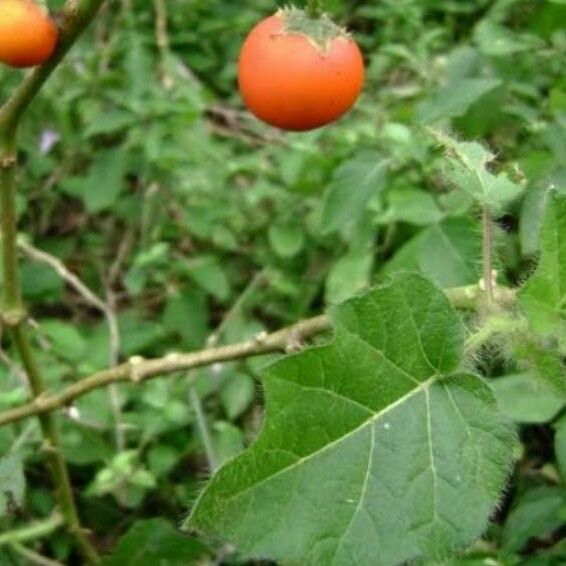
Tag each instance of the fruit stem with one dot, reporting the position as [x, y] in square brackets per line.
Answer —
[315, 8]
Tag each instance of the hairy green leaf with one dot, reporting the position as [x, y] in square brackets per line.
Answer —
[376, 449]
[447, 253]
[543, 298]
[468, 169]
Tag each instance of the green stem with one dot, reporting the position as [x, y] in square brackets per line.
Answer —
[315, 8]
[76, 17]
[12, 302]
[139, 370]
[37, 530]
[32, 557]
[52, 445]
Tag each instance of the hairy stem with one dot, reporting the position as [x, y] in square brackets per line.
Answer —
[487, 254]
[138, 369]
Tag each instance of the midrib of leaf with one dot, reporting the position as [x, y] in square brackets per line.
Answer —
[423, 386]
[417, 332]
[382, 355]
[420, 385]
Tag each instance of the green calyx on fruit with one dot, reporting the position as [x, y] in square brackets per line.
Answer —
[321, 31]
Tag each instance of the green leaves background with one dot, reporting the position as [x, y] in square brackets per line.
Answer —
[141, 166]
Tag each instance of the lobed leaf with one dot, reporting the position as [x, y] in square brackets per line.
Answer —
[376, 448]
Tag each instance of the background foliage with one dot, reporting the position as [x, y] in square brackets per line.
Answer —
[145, 176]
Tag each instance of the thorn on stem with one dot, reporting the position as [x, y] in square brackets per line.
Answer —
[136, 363]
[212, 341]
[260, 338]
[14, 317]
[48, 447]
[8, 161]
[172, 358]
[294, 343]
[74, 413]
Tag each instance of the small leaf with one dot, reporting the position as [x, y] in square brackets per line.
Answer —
[350, 274]
[354, 183]
[543, 298]
[374, 445]
[12, 484]
[498, 41]
[66, 340]
[526, 399]
[162, 459]
[82, 446]
[186, 313]
[468, 170]
[138, 335]
[447, 253]
[40, 282]
[237, 394]
[109, 122]
[155, 542]
[537, 513]
[100, 189]
[209, 275]
[411, 206]
[455, 99]
[286, 240]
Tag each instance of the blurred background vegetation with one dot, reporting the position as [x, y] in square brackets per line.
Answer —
[144, 174]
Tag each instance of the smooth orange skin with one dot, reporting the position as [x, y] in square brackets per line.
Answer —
[288, 83]
[28, 36]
